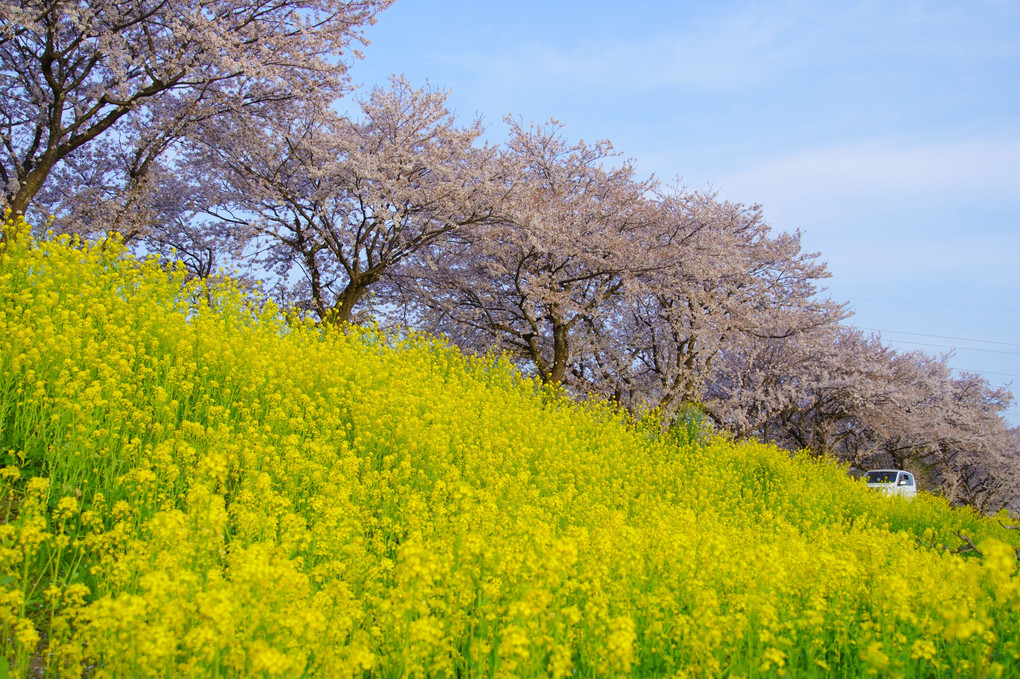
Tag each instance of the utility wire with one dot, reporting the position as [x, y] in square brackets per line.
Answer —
[960, 339]
[945, 306]
[948, 346]
[985, 372]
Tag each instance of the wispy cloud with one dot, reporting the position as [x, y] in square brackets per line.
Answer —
[749, 46]
[945, 214]
[969, 168]
[737, 54]
[961, 260]
[730, 53]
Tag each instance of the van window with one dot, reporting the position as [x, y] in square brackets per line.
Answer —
[880, 477]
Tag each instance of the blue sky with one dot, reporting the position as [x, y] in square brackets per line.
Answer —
[887, 132]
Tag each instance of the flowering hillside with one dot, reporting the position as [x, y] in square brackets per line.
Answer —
[192, 486]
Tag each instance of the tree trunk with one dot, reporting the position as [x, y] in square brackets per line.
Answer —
[342, 310]
[561, 353]
[30, 185]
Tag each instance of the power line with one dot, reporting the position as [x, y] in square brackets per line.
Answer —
[960, 339]
[948, 346]
[985, 372]
[944, 306]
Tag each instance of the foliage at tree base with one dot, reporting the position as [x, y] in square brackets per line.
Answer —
[192, 485]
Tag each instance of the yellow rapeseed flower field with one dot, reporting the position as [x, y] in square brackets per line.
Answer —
[195, 483]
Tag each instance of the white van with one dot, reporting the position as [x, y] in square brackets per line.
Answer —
[892, 482]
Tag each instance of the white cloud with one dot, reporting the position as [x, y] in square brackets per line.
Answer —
[735, 55]
[959, 260]
[969, 169]
[727, 52]
[741, 47]
[893, 212]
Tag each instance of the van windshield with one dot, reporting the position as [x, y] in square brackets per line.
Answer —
[880, 477]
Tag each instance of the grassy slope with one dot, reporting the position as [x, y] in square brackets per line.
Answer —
[206, 489]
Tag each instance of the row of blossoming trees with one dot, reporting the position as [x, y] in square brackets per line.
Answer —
[211, 128]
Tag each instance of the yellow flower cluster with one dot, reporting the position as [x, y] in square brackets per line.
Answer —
[193, 485]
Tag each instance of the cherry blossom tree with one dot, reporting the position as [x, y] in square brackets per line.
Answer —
[131, 183]
[600, 281]
[994, 482]
[974, 458]
[837, 391]
[331, 206]
[536, 280]
[713, 277]
[138, 74]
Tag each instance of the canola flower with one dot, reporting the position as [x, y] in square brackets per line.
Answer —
[196, 484]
